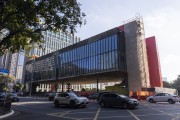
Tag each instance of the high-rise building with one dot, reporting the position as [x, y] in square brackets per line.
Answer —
[53, 41]
[16, 66]
[5, 60]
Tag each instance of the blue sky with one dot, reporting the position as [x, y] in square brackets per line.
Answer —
[161, 19]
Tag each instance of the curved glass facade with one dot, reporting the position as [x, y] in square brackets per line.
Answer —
[105, 54]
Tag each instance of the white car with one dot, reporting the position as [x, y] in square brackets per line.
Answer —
[70, 99]
[163, 97]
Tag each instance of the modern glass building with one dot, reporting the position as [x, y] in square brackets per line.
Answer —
[100, 57]
[53, 41]
[116, 56]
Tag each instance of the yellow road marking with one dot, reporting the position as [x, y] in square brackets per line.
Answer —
[133, 115]
[97, 113]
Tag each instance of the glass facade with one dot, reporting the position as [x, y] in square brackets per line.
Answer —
[53, 41]
[96, 56]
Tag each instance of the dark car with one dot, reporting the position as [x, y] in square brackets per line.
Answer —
[93, 96]
[2, 95]
[113, 99]
[100, 93]
[13, 97]
[9, 96]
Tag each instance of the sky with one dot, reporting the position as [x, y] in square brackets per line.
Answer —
[161, 19]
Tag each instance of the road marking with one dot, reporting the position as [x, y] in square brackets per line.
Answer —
[97, 113]
[133, 115]
[159, 110]
[176, 117]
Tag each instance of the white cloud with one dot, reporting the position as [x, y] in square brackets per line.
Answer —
[171, 66]
[164, 24]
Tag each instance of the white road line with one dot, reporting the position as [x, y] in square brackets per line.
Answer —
[97, 113]
[159, 110]
[64, 113]
[133, 115]
[176, 117]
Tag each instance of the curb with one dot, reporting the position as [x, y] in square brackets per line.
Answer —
[7, 115]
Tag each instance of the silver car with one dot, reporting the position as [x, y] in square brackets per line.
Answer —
[163, 97]
[70, 99]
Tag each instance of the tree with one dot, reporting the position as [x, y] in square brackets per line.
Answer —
[18, 86]
[22, 21]
[5, 80]
[176, 84]
[166, 84]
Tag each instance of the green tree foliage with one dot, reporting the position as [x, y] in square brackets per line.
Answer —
[166, 84]
[5, 80]
[22, 21]
[176, 84]
[18, 86]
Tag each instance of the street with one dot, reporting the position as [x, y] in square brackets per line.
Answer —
[42, 109]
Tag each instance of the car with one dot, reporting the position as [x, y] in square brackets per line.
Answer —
[163, 97]
[13, 97]
[100, 93]
[51, 96]
[2, 94]
[93, 96]
[9, 96]
[70, 99]
[113, 99]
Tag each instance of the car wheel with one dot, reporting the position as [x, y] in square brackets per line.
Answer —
[102, 104]
[73, 104]
[151, 100]
[125, 105]
[56, 103]
[171, 101]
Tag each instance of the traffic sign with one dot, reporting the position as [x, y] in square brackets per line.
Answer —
[4, 71]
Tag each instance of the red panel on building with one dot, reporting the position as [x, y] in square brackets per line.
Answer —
[154, 63]
[121, 27]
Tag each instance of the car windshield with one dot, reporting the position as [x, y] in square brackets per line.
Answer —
[72, 94]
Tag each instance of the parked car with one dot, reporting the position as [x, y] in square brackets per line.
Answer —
[70, 99]
[93, 96]
[51, 96]
[163, 97]
[100, 93]
[13, 97]
[113, 99]
[2, 94]
[9, 96]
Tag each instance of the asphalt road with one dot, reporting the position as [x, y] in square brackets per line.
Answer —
[41, 109]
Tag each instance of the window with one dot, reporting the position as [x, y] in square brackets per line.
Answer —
[107, 95]
[114, 96]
